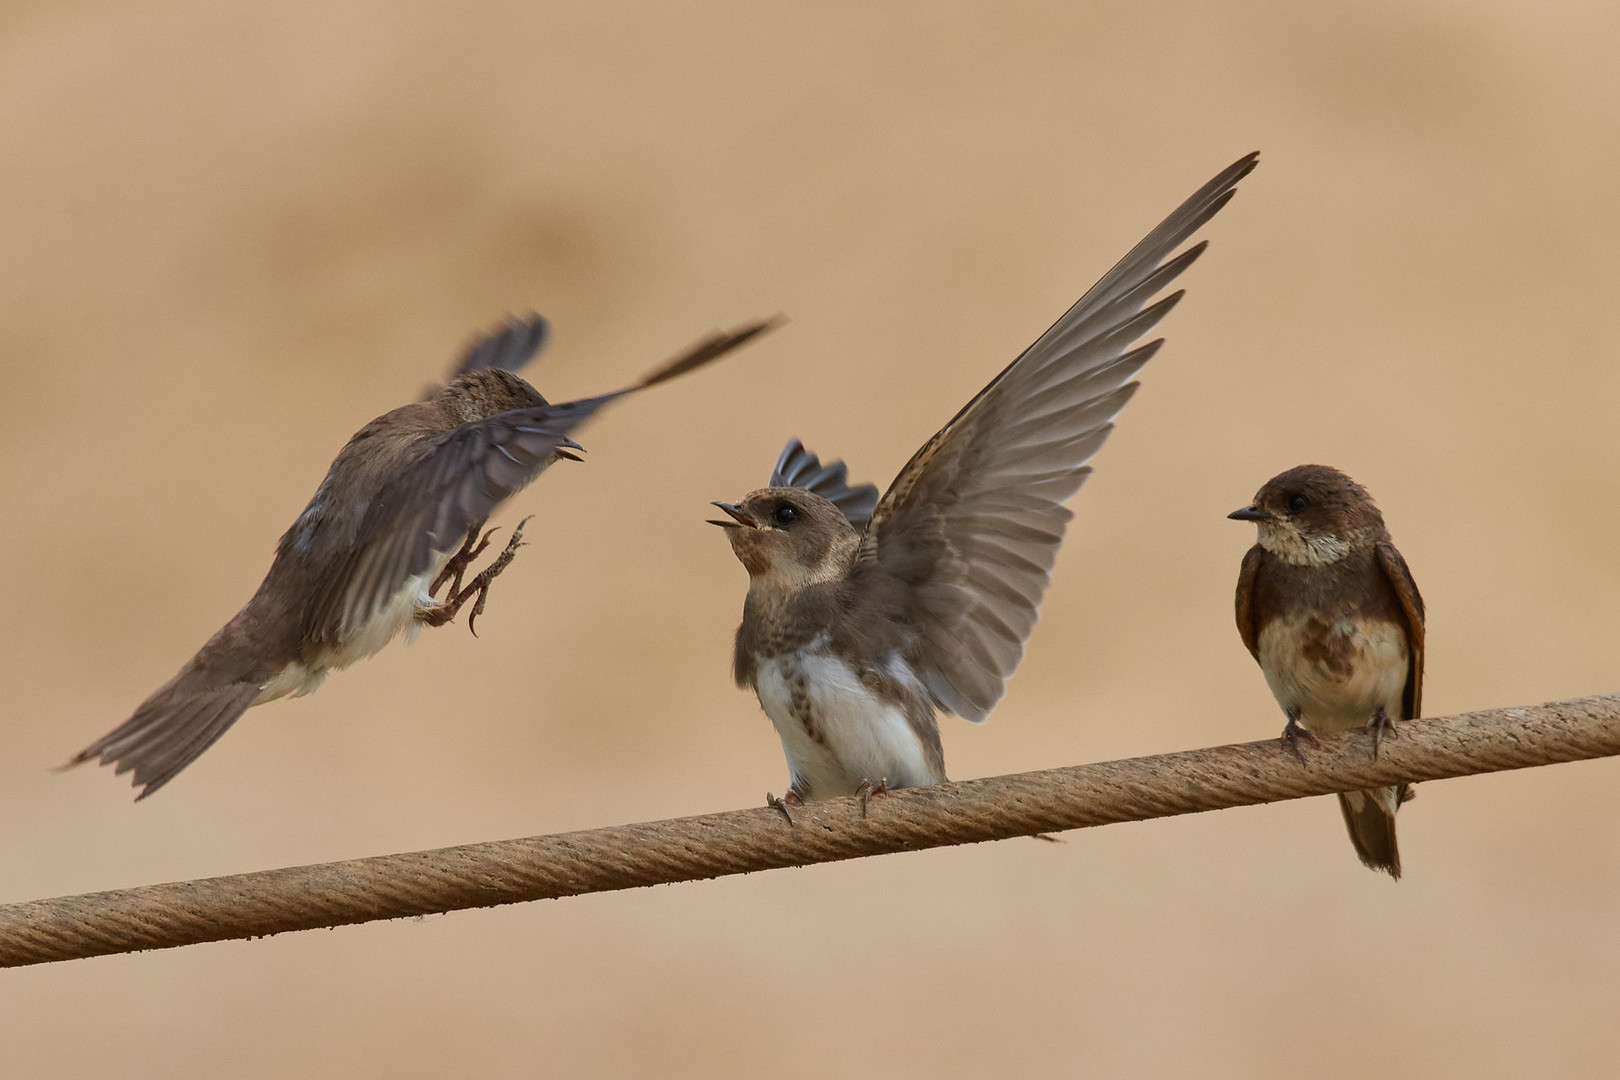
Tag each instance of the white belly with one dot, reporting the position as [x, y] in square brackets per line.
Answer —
[1335, 696]
[835, 732]
[396, 617]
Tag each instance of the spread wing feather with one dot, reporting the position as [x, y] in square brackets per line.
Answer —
[509, 348]
[971, 526]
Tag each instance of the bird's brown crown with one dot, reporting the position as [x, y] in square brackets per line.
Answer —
[788, 538]
[478, 395]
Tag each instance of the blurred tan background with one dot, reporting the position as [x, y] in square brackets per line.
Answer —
[233, 233]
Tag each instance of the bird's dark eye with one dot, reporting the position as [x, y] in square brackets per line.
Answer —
[1297, 503]
[785, 515]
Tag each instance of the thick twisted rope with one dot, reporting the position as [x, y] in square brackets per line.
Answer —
[713, 845]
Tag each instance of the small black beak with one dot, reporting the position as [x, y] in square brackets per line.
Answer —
[567, 445]
[740, 517]
[1249, 513]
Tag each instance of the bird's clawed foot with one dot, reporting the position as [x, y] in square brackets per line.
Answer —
[869, 789]
[1382, 728]
[1293, 735]
[456, 596]
[471, 548]
[782, 804]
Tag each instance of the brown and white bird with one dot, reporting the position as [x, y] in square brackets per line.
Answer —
[866, 616]
[1328, 607]
[397, 518]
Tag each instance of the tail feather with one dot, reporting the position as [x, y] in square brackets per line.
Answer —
[171, 729]
[1370, 818]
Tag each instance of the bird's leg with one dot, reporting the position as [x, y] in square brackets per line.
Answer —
[782, 804]
[1382, 728]
[480, 584]
[444, 611]
[1293, 734]
[471, 548]
[868, 789]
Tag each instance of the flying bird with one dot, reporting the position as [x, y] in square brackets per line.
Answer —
[866, 616]
[399, 516]
[1327, 606]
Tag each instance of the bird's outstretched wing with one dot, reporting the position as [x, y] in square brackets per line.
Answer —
[798, 467]
[509, 348]
[969, 529]
[458, 479]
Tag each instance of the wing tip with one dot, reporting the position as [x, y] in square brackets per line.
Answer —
[711, 347]
[509, 346]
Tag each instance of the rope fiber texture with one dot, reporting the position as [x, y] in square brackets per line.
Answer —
[742, 841]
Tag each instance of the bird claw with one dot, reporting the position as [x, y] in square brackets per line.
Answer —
[478, 587]
[1382, 728]
[782, 805]
[868, 789]
[471, 548]
[1293, 735]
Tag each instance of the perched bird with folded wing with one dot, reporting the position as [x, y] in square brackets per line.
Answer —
[1328, 608]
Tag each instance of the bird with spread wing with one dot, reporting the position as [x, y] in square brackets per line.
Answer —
[865, 616]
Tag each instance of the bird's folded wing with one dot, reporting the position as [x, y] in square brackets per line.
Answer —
[969, 529]
[798, 467]
[1248, 626]
[1406, 591]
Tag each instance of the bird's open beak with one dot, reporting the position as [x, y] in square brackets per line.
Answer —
[1249, 513]
[565, 446]
[740, 518]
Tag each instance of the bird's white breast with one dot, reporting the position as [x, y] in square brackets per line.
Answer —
[835, 731]
[1370, 672]
[397, 616]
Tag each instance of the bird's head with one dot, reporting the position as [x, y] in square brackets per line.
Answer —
[788, 538]
[1313, 515]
